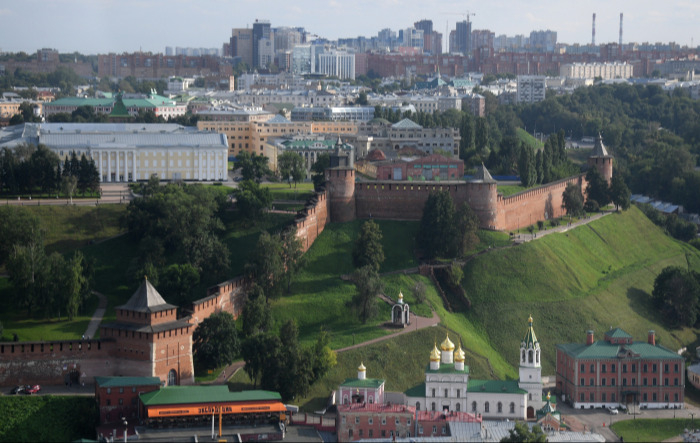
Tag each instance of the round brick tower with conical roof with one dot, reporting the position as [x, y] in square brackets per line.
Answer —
[601, 160]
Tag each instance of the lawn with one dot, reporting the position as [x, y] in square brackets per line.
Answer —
[282, 191]
[592, 277]
[507, 190]
[657, 429]
[401, 361]
[528, 139]
[47, 418]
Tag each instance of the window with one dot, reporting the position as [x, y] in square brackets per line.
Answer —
[512, 407]
[371, 433]
[500, 407]
[446, 393]
[653, 396]
[109, 402]
[433, 392]
[582, 398]
[591, 397]
[486, 407]
[675, 382]
[121, 401]
[371, 420]
[653, 381]
[645, 368]
[612, 367]
[624, 382]
[675, 367]
[675, 397]
[434, 429]
[583, 382]
[361, 433]
[634, 367]
[583, 368]
[603, 397]
[396, 422]
[473, 406]
[602, 382]
[644, 397]
[624, 368]
[603, 368]
[653, 367]
[457, 393]
[644, 381]
[666, 367]
[592, 368]
[459, 407]
[591, 382]
[613, 381]
[383, 420]
[634, 381]
[666, 381]
[109, 390]
[432, 406]
[612, 397]
[357, 420]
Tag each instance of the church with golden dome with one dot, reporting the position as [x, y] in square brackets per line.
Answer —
[449, 388]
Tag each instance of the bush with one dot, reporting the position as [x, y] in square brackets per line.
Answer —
[540, 224]
[695, 242]
[591, 206]
[554, 222]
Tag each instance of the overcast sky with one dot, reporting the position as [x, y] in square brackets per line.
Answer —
[102, 26]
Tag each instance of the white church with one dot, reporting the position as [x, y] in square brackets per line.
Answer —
[448, 386]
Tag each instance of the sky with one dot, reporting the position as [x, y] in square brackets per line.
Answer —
[103, 26]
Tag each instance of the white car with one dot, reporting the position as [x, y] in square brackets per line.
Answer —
[612, 410]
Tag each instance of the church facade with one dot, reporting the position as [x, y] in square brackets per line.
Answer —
[449, 388]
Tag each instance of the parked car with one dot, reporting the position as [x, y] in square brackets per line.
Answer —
[33, 389]
[17, 390]
[613, 411]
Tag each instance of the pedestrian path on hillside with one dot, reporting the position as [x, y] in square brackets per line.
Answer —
[97, 316]
[522, 238]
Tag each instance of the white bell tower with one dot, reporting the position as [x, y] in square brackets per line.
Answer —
[531, 367]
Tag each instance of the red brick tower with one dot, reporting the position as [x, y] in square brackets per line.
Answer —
[340, 181]
[601, 159]
[150, 339]
[482, 196]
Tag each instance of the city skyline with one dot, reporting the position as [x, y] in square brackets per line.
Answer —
[103, 26]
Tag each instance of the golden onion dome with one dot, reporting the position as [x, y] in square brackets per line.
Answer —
[435, 354]
[361, 368]
[447, 345]
[529, 320]
[459, 354]
[400, 297]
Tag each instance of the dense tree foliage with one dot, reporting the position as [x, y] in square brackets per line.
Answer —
[572, 200]
[32, 169]
[253, 167]
[597, 188]
[215, 341]
[279, 363]
[368, 248]
[318, 170]
[181, 222]
[252, 199]
[368, 285]
[619, 193]
[675, 227]
[444, 231]
[521, 433]
[290, 166]
[256, 316]
[18, 226]
[677, 295]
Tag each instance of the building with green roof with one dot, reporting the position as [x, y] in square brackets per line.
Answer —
[620, 371]
[449, 388]
[127, 105]
[361, 389]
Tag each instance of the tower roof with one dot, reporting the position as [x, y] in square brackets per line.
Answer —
[361, 368]
[435, 354]
[483, 175]
[599, 149]
[146, 299]
[530, 340]
[447, 344]
[459, 354]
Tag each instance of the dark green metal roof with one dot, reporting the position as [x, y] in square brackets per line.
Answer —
[120, 382]
[604, 349]
[366, 383]
[617, 333]
[173, 395]
[495, 386]
[416, 391]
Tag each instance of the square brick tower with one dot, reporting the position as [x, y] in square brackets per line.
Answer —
[150, 340]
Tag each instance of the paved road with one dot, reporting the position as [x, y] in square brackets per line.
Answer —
[97, 316]
[111, 193]
[526, 237]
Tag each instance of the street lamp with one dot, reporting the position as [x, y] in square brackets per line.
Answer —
[125, 427]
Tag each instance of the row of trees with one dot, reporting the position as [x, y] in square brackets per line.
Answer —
[546, 165]
[446, 231]
[676, 295]
[275, 261]
[29, 169]
[47, 285]
[598, 193]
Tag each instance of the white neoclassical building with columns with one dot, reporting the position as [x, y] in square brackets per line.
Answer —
[127, 152]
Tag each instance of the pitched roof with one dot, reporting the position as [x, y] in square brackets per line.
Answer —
[118, 382]
[599, 149]
[604, 349]
[173, 395]
[146, 299]
[483, 175]
[530, 339]
[617, 333]
[406, 124]
[495, 386]
[372, 383]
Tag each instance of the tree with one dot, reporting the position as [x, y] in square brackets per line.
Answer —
[527, 167]
[258, 352]
[318, 170]
[467, 227]
[368, 286]
[619, 193]
[253, 167]
[597, 188]
[368, 246]
[362, 99]
[521, 433]
[215, 341]
[292, 254]
[68, 186]
[252, 199]
[324, 358]
[266, 265]
[256, 316]
[18, 226]
[291, 167]
[677, 295]
[177, 282]
[572, 200]
[437, 233]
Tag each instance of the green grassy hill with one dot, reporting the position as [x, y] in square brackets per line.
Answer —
[592, 277]
[528, 139]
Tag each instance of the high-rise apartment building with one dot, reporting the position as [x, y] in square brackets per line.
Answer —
[531, 88]
[337, 63]
[241, 45]
[463, 38]
[261, 31]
